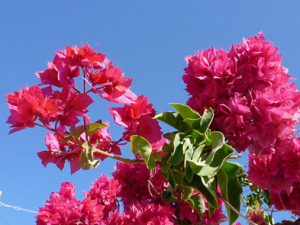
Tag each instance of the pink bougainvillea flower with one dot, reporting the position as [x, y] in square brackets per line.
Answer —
[255, 104]
[136, 118]
[276, 172]
[285, 201]
[58, 152]
[30, 104]
[104, 191]
[63, 208]
[75, 105]
[235, 122]
[256, 215]
[137, 175]
[209, 78]
[151, 214]
[111, 84]
[58, 74]
[83, 56]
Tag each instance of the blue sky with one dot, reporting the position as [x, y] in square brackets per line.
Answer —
[149, 39]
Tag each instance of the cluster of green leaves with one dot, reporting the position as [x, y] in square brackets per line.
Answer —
[194, 161]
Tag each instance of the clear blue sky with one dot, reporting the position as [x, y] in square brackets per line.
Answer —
[149, 39]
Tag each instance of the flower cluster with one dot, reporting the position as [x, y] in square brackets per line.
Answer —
[63, 208]
[255, 106]
[61, 103]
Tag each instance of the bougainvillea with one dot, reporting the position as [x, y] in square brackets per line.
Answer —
[255, 105]
[241, 98]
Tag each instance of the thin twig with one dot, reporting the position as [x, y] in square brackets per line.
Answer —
[235, 210]
[235, 156]
[131, 161]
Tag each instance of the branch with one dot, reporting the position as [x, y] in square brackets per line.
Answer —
[235, 156]
[235, 210]
[131, 161]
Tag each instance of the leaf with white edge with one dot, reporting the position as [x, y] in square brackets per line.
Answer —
[223, 183]
[199, 204]
[171, 184]
[170, 136]
[193, 123]
[202, 169]
[158, 156]
[168, 147]
[177, 177]
[208, 138]
[187, 168]
[198, 138]
[178, 153]
[234, 189]
[168, 196]
[204, 189]
[206, 120]
[187, 192]
[211, 210]
[173, 119]
[86, 159]
[165, 175]
[197, 153]
[218, 141]
[185, 111]
[206, 183]
[192, 204]
[164, 163]
[140, 145]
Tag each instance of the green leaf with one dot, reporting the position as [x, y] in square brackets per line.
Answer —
[185, 111]
[223, 183]
[168, 147]
[187, 192]
[158, 156]
[199, 204]
[164, 163]
[197, 153]
[171, 184]
[192, 204]
[170, 136]
[211, 210]
[206, 120]
[202, 169]
[76, 131]
[178, 153]
[174, 119]
[86, 159]
[208, 138]
[187, 168]
[193, 123]
[94, 127]
[168, 196]
[218, 141]
[234, 188]
[165, 175]
[143, 147]
[267, 198]
[203, 188]
[177, 177]
[198, 138]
